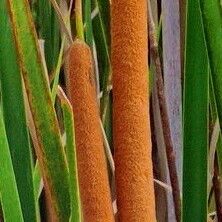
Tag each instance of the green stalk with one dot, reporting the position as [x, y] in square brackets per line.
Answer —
[195, 117]
[51, 154]
[8, 189]
[79, 22]
[14, 116]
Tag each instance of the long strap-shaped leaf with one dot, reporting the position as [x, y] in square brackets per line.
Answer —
[214, 116]
[71, 157]
[49, 31]
[212, 18]
[8, 189]
[14, 116]
[88, 22]
[51, 154]
[195, 118]
[102, 40]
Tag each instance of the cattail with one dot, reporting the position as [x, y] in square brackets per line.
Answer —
[92, 168]
[132, 142]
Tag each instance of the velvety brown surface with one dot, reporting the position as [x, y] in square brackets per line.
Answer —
[132, 142]
[92, 170]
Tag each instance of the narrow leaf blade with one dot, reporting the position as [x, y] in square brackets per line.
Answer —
[8, 188]
[14, 116]
[51, 154]
[195, 127]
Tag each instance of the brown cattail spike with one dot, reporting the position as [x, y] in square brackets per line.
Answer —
[92, 169]
[132, 142]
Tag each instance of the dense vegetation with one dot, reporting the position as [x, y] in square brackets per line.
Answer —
[110, 110]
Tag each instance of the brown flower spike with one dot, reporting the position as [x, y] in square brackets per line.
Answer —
[92, 168]
[132, 140]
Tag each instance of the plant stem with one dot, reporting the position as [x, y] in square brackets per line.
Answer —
[217, 188]
[79, 20]
[165, 120]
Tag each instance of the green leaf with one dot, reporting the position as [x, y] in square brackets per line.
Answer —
[49, 30]
[72, 159]
[37, 174]
[195, 118]
[212, 18]
[214, 116]
[8, 189]
[51, 154]
[102, 39]
[37, 177]
[88, 23]
[14, 116]
[57, 72]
